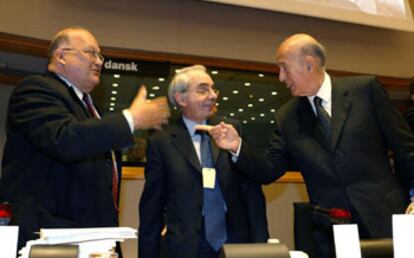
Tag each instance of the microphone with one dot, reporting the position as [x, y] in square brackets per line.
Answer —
[5, 213]
[336, 215]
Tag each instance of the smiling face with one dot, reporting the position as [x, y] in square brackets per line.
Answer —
[79, 60]
[198, 103]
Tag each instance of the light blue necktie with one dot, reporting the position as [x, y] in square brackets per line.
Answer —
[213, 202]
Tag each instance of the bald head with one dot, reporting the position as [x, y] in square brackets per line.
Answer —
[301, 61]
[304, 45]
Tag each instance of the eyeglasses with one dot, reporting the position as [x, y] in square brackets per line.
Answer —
[92, 54]
[204, 91]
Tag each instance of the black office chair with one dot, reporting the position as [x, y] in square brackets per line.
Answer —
[254, 250]
[54, 251]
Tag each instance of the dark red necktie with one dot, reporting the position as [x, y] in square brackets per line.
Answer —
[92, 111]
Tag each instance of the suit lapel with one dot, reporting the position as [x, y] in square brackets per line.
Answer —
[341, 106]
[182, 141]
[307, 119]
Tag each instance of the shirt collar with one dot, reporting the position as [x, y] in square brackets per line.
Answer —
[78, 92]
[325, 90]
[190, 124]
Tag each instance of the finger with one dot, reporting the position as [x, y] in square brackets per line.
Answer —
[142, 93]
[205, 128]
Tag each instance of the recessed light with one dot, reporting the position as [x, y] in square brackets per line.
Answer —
[260, 75]
[117, 75]
[156, 87]
[273, 110]
[112, 104]
[114, 92]
[113, 99]
[235, 92]
[261, 100]
[272, 121]
[225, 98]
[214, 72]
[250, 105]
[253, 118]
[115, 85]
[217, 104]
[274, 93]
[240, 110]
[247, 84]
[152, 95]
[161, 79]
[231, 114]
[244, 122]
[251, 96]
[111, 109]
[262, 114]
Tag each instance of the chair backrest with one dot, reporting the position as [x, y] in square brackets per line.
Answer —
[54, 251]
[377, 248]
[254, 250]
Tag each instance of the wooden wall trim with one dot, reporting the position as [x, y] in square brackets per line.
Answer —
[137, 173]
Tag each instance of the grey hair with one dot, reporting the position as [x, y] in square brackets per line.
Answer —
[181, 79]
[314, 49]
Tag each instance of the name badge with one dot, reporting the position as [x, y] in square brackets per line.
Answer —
[209, 177]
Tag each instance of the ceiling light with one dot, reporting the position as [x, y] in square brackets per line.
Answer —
[231, 114]
[274, 93]
[115, 85]
[225, 98]
[260, 75]
[272, 121]
[114, 92]
[250, 105]
[235, 92]
[251, 96]
[261, 100]
[217, 104]
[156, 87]
[240, 110]
[253, 118]
[273, 110]
[152, 95]
[262, 114]
[112, 104]
[247, 84]
[117, 75]
[161, 79]
[244, 122]
[111, 109]
[113, 99]
[214, 72]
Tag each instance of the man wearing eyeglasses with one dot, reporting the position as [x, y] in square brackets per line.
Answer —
[206, 201]
[60, 168]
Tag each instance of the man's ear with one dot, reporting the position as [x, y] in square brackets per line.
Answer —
[59, 55]
[180, 98]
[309, 63]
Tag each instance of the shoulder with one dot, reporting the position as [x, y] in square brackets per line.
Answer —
[39, 83]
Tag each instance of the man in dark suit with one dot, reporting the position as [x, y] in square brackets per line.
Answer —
[177, 181]
[341, 147]
[59, 168]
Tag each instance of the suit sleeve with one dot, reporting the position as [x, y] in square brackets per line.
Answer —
[152, 204]
[46, 115]
[395, 129]
[268, 167]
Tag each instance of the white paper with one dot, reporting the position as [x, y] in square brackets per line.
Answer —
[8, 241]
[402, 234]
[347, 241]
[209, 177]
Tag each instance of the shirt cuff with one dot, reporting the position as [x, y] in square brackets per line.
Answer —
[130, 120]
[235, 155]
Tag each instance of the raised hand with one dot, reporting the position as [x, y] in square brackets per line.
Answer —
[224, 135]
[149, 113]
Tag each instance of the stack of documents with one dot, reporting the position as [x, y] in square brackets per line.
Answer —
[89, 240]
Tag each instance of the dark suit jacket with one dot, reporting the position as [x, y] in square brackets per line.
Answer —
[57, 169]
[353, 171]
[173, 183]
